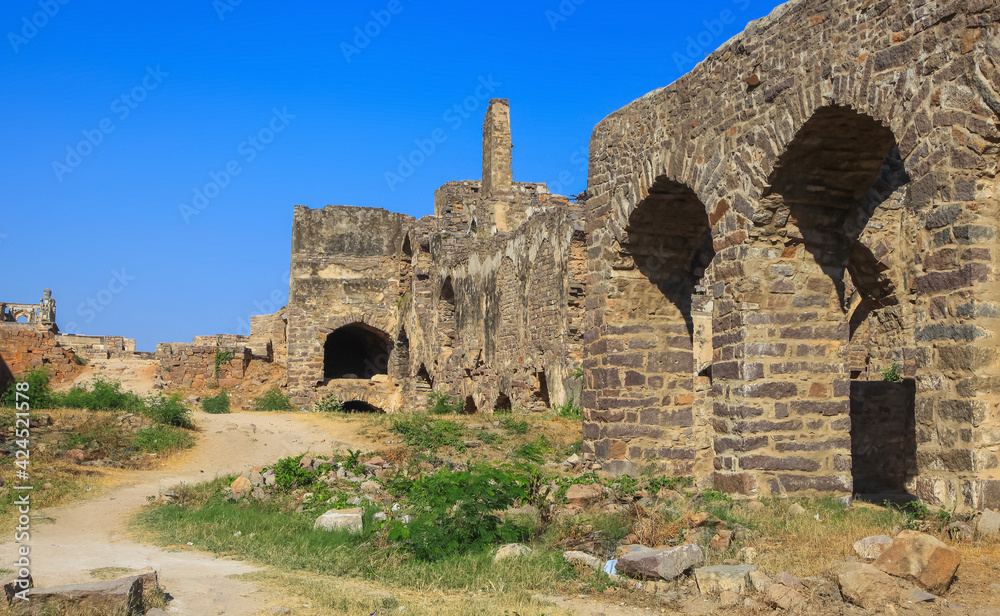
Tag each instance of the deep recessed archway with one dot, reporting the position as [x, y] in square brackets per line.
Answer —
[360, 406]
[356, 351]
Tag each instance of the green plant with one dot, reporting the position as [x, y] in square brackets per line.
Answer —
[222, 357]
[288, 475]
[440, 403]
[577, 372]
[217, 404]
[80, 360]
[329, 404]
[455, 510]
[104, 396]
[169, 411]
[514, 426]
[272, 400]
[891, 374]
[489, 438]
[161, 438]
[39, 393]
[424, 433]
[569, 410]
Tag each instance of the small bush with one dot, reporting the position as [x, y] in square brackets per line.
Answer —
[40, 395]
[272, 400]
[222, 357]
[217, 404]
[440, 403]
[329, 404]
[169, 411]
[425, 433]
[105, 396]
[569, 410]
[891, 374]
[161, 438]
[513, 426]
[80, 360]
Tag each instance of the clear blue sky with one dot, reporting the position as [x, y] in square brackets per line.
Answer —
[116, 113]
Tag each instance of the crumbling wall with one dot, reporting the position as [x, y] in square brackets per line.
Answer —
[819, 146]
[98, 347]
[269, 337]
[24, 348]
[193, 365]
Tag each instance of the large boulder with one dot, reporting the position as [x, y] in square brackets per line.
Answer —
[871, 548]
[576, 556]
[666, 564]
[511, 550]
[341, 519]
[989, 523]
[581, 495]
[865, 586]
[122, 596]
[783, 597]
[921, 558]
[241, 486]
[720, 578]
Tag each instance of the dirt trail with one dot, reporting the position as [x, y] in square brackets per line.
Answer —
[92, 534]
[134, 374]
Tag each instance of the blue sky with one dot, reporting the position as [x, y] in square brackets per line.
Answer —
[153, 152]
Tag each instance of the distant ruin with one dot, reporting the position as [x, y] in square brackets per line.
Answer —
[781, 281]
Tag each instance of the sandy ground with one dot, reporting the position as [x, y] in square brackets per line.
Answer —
[92, 534]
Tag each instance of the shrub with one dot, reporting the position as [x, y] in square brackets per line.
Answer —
[272, 400]
[425, 433]
[513, 426]
[80, 360]
[329, 404]
[440, 403]
[105, 396]
[161, 438]
[40, 395]
[222, 357]
[455, 511]
[891, 374]
[569, 410]
[169, 411]
[217, 404]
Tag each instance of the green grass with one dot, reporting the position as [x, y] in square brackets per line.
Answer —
[158, 439]
[217, 404]
[272, 400]
[425, 433]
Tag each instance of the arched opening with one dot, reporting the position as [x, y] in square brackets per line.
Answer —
[423, 378]
[402, 353]
[22, 318]
[360, 406]
[446, 315]
[502, 404]
[356, 351]
[540, 393]
[406, 268]
[470, 407]
[839, 307]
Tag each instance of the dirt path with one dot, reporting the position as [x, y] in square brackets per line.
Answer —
[92, 534]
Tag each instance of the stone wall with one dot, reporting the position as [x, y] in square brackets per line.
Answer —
[98, 347]
[24, 348]
[822, 191]
[192, 365]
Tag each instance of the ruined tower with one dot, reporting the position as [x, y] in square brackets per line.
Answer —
[498, 178]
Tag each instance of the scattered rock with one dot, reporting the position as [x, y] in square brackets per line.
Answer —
[865, 586]
[278, 610]
[511, 550]
[918, 596]
[377, 461]
[784, 597]
[258, 493]
[341, 519]
[581, 495]
[989, 523]
[871, 548]
[575, 556]
[256, 478]
[629, 548]
[666, 564]
[380, 517]
[759, 580]
[797, 509]
[694, 520]
[111, 596]
[473, 444]
[721, 540]
[728, 598]
[960, 531]
[47, 486]
[754, 506]
[241, 486]
[354, 501]
[721, 578]
[146, 575]
[748, 555]
[921, 558]
[573, 460]
[789, 580]
[370, 487]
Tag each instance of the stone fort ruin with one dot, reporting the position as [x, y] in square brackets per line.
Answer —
[782, 280]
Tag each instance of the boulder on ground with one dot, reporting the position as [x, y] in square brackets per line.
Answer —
[789, 580]
[721, 578]
[511, 550]
[241, 486]
[147, 575]
[921, 558]
[989, 523]
[575, 556]
[112, 597]
[666, 564]
[865, 586]
[721, 540]
[784, 597]
[341, 519]
[581, 495]
[872, 547]
[796, 509]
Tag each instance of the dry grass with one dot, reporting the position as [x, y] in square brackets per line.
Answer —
[306, 595]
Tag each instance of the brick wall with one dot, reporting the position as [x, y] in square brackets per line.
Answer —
[24, 348]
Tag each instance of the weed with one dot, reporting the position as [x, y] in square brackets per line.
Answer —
[169, 411]
[514, 426]
[222, 357]
[577, 372]
[80, 360]
[424, 433]
[329, 404]
[104, 396]
[217, 404]
[39, 393]
[569, 410]
[891, 374]
[489, 438]
[440, 403]
[158, 439]
[272, 400]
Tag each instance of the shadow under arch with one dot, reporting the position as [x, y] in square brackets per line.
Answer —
[357, 351]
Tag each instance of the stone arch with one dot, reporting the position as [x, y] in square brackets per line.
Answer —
[503, 403]
[361, 406]
[356, 351]
[470, 407]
